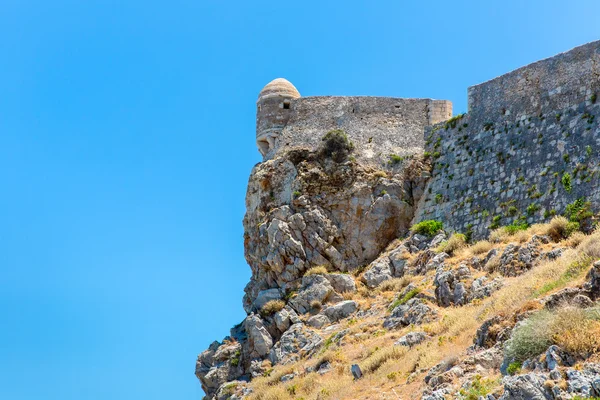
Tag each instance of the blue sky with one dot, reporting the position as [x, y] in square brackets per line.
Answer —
[127, 138]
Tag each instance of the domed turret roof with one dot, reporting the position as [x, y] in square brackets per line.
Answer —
[279, 87]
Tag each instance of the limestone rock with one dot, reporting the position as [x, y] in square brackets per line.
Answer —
[318, 321]
[315, 288]
[414, 312]
[342, 283]
[380, 271]
[260, 341]
[295, 342]
[411, 339]
[340, 310]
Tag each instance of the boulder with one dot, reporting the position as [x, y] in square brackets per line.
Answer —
[340, 310]
[412, 313]
[318, 321]
[296, 342]
[381, 270]
[411, 339]
[264, 296]
[342, 283]
[314, 288]
[260, 341]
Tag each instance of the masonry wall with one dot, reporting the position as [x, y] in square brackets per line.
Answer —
[552, 84]
[505, 160]
[378, 126]
[493, 174]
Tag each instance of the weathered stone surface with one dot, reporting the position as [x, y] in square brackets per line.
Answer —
[340, 310]
[264, 296]
[414, 312]
[411, 339]
[380, 271]
[296, 342]
[260, 341]
[593, 281]
[318, 321]
[342, 283]
[343, 218]
[285, 318]
[315, 288]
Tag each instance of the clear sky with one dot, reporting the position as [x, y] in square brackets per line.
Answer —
[127, 138]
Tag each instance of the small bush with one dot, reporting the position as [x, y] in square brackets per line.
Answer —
[566, 182]
[531, 338]
[316, 305]
[428, 227]
[271, 307]
[336, 145]
[320, 270]
[395, 159]
[457, 241]
[394, 285]
[516, 227]
[571, 228]
[478, 388]
[575, 330]
[514, 368]
[404, 299]
[499, 235]
[557, 228]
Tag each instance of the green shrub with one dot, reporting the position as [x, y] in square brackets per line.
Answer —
[336, 145]
[516, 227]
[514, 368]
[395, 159]
[532, 208]
[404, 299]
[531, 338]
[579, 210]
[575, 330]
[566, 182]
[428, 227]
[478, 388]
[495, 222]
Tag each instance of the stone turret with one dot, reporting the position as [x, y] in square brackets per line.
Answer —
[273, 110]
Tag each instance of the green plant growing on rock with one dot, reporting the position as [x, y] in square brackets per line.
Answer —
[395, 159]
[478, 388]
[336, 145]
[514, 368]
[404, 299]
[428, 227]
[566, 182]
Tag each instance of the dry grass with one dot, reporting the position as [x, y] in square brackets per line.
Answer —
[557, 228]
[576, 331]
[480, 247]
[456, 242]
[320, 270]
[271, 307]
[394, 285]
[575, 239]
[498, 235]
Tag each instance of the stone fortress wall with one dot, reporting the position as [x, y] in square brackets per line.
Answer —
[377, 126]
[526, 135]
